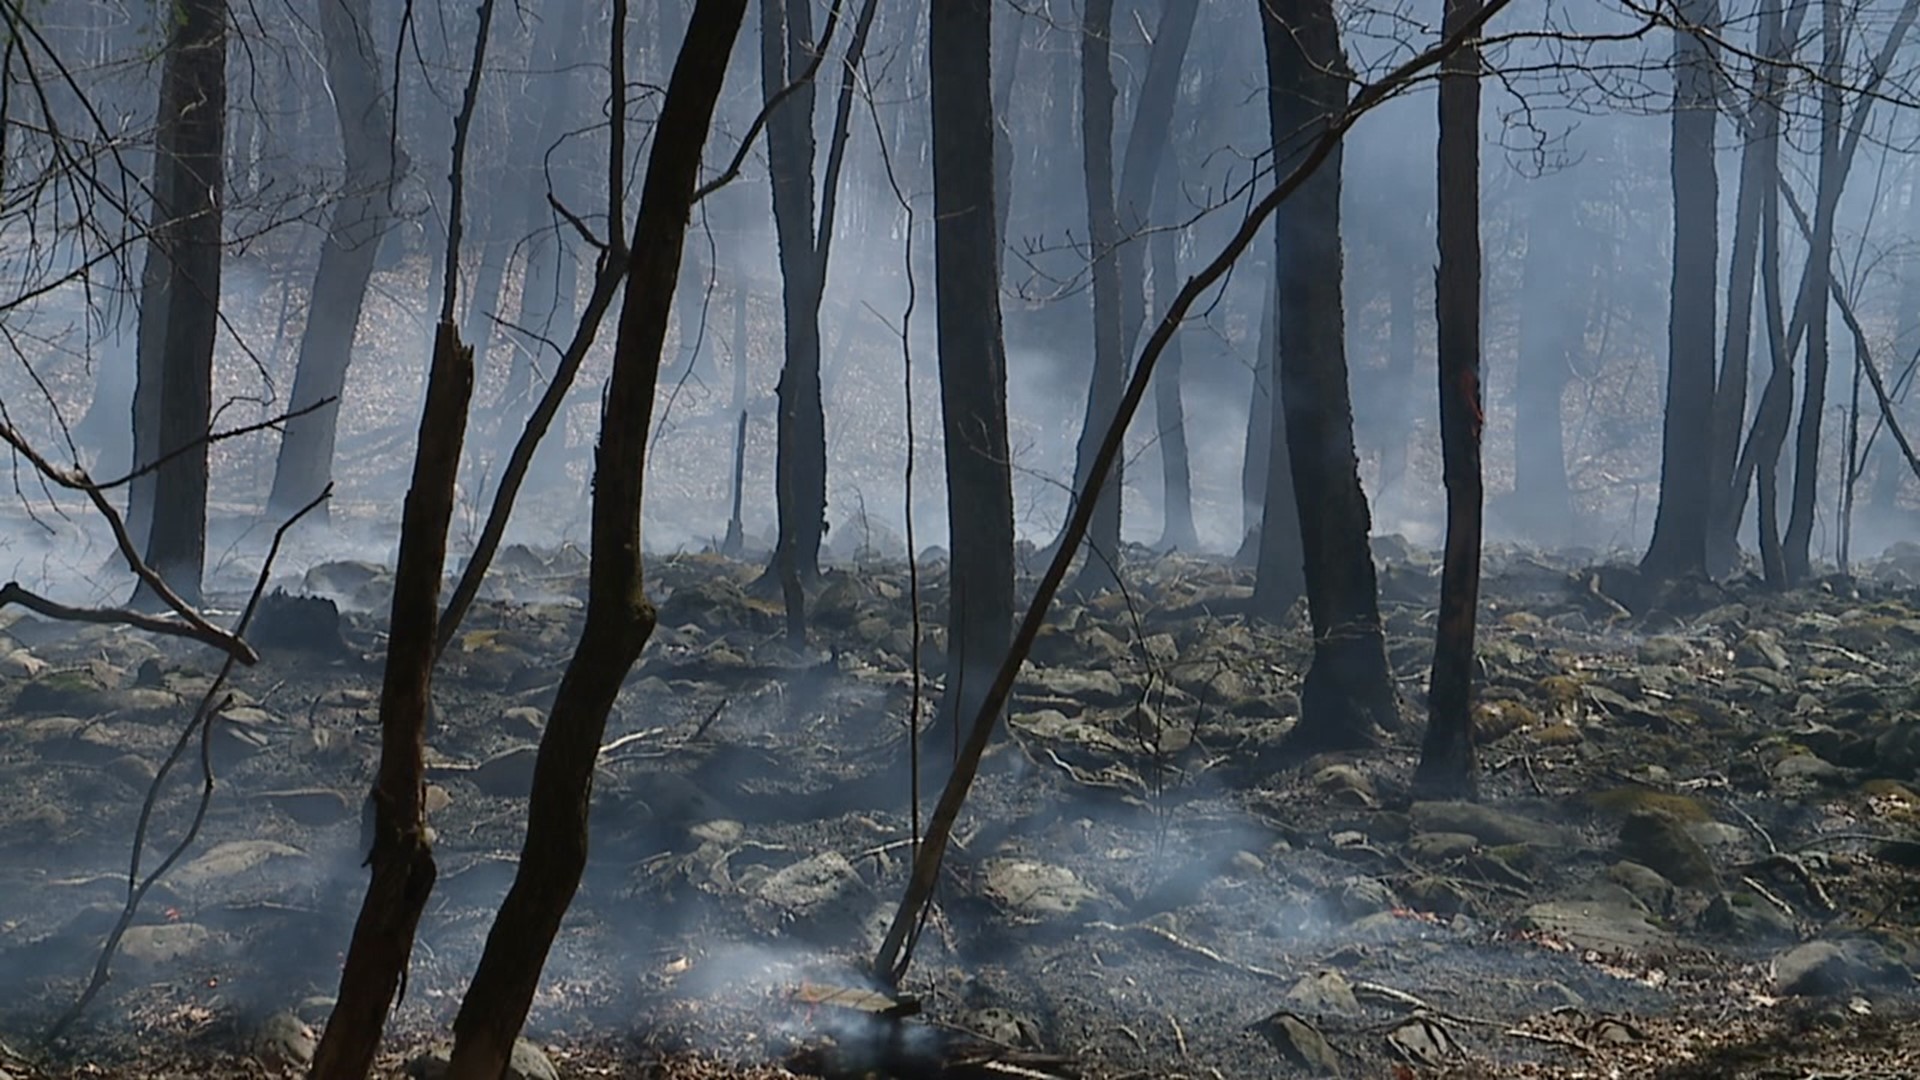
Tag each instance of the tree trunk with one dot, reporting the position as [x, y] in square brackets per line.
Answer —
[175, 392]
[1176, 468]
[1549, 328]
[1679, 543]
[1142, 165]
[1100, 570]
[1447, 756]
[786, 30]
[305, 465]
[736, 538]
[1280, 575]
[403, 870]
[1730, 396]
[549, 292]
[1348, 693]
[1260, 428]
[973, 361]
[1796, 544]
[619, 619]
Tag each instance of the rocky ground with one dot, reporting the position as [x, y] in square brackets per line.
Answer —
[1695, 856]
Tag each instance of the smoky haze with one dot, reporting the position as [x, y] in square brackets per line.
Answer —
[1576, 225]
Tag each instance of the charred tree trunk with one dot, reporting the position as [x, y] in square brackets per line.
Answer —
[973, 360]
[786, 30]
[736, 538]
[1796, 544]
[373, 165]
[1099, 571]
[619, 619]
[1679, 543]
[1142, 168]
[1730, 396]
[403, 870]
[1447, 756]
[1348, 693]
[173, 401]
[1280, 575]
[1176, 467]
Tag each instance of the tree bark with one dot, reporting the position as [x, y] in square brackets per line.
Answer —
[1176, 468]
[1348, 693]
[174, 395]
[1099, 571]
[619, 619]
[1730, 395]
[373, 165]
[403, 870]
[1447, 755]
[1260, 428]
[1795, 545]
[1679, 543]
[786, 29]
[973, 362]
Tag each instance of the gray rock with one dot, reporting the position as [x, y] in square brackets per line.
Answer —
[1831, 967]
[1646, 884]
[1100, 688]
[1488, 825]
[528, 1062]
[508, 774]
[313, 807]
[1661, 842]
[231, 859]
[818, 895]
[1324, 992]
[1301, 1042]
[1761, 649]
[1036, 890]
[283, 1042]
[1442, 846]
[1746, 917]
[1600, 925]
[1359, 897]
[1666, 649]
[165, 945]
[1346, 784]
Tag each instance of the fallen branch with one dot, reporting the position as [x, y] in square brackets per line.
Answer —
[201, 723]
[13, 593]
[76, 479]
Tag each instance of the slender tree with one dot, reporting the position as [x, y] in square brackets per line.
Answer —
[1176, 468]
[373, 164]
[973, 362]
[1103, 238]
[1797, 542]
[1680, 523]
[1348, 693]
[402, 869]
[1447, 756]
[180, 301]
[619, 618]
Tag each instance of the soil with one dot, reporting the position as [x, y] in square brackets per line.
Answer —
[1693, 856]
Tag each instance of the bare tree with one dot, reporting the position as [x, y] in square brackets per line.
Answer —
[619, 619]
[1679, 543]
[1348, 695]
[973, 359]
[1447, 756]
[180, 302]
[374, 163]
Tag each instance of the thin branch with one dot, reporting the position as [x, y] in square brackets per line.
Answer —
[732, 171]
[138, 887]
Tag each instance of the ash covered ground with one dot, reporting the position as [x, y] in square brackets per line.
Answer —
[1696, 854]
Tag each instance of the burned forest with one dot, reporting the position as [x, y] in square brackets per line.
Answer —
[960, 539]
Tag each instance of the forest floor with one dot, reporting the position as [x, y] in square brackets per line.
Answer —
[1697, 852]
